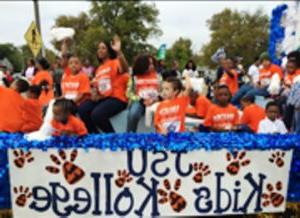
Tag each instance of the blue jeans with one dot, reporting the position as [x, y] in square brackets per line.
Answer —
[96, 114]
[248, 90]
[135, 112]
[297, 121]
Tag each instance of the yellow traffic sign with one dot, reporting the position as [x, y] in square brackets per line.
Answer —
[33, 39]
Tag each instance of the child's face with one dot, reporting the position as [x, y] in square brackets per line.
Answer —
[151, 65]
[228, 64]
[266, 63]
[223, 96]
[272, 112]
[59, 115]
[168, 91]
[291, 68]
[75, 65]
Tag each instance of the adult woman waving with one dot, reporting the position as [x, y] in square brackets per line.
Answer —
[104, 104]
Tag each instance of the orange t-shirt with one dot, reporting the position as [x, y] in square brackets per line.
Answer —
[147, 85]
[232, 83]
[67, 71]
[252, 115]
[119, 87]
[265, 74]
[42, 75]
[11, 104]
[32, 115]
[289, 78]
[73, 85]
[105, 76]
[73, 126]
[201, 107]
[46, 97]
[222, 117]
[170, 114]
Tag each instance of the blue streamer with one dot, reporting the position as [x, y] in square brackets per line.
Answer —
[276, 33]
[153, 141]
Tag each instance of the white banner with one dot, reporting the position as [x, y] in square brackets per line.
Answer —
[93, 183]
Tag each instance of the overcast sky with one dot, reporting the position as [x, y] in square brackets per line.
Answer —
[186, 19]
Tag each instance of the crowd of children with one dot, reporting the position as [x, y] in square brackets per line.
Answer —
[85, 101]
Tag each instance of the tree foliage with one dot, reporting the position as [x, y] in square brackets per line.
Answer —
[181, 51]
[133, 21]
[240, 33]
[13, 54]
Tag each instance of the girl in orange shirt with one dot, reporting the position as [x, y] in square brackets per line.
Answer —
[222, 116]
[64, 121]
[143, 89]
[105, 102]
[44, 79]
[75, 86]
[170, 114]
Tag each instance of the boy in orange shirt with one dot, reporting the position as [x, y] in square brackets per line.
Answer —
[75, 86]
[11, 104]
[230, 76]
[222, 116]
[252, 115]
[32, 110]
[64, 121]
[170, 114]
[199, 105]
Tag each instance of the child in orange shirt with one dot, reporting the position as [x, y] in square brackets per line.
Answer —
[222, 116]
[64, 121]
[199, 105]
[75, 86]
[170, 114]
[11, 104]
[252, 115]
[32, 110]
[230, 77]
[44, 79]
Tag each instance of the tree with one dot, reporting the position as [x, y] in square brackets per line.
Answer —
[240, 33]
[133, 21]
[181, 51]
[13, 54]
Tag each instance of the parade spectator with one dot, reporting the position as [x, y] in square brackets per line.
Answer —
[170, 113]
[104, 104]
[143, 89]
[272, 124]
[190, 70]
[30, 69]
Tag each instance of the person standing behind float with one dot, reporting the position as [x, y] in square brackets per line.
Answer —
[75, 86]
[143, 89]
[30, 70]
[104, 104]
[190, 70]
[44, 79]
[230, 77]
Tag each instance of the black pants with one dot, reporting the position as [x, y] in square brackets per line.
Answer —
[96, 114]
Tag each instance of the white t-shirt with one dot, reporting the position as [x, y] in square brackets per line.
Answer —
[190, 73]
[29, 72]
[253, 72]
[269, 126]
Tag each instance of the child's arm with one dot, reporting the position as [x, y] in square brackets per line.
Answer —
[188, 86]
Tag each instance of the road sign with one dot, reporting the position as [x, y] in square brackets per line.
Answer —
[33, 39]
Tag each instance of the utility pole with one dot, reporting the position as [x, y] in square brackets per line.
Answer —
[37, 20]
